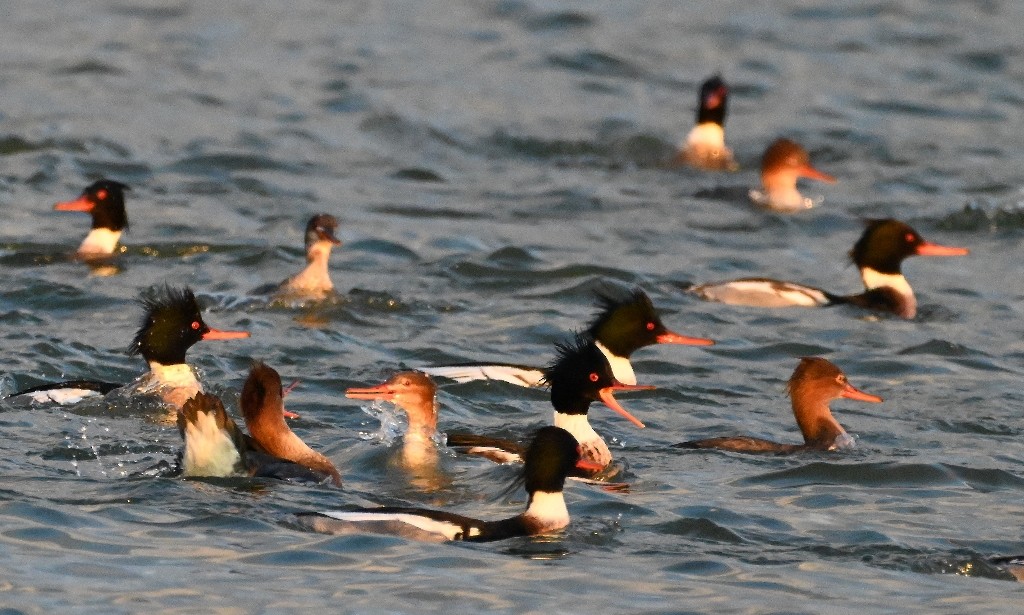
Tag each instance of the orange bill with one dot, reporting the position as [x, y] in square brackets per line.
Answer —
[589, 465]
[609, 399]
[217, 334]
[79, 204]
[812, 173]
[382, 392]
[934, 249]
[851, 393]
[670, 337]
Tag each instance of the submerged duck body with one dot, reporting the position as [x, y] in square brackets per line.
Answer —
[551, 456]
[814, 384]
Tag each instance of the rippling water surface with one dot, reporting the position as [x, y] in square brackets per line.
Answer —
[493, 163]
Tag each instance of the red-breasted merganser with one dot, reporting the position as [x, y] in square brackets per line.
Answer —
[814, 384]
[580, 375]
[171, 325]
[624, 324]
[878, 254]
[104, 201]
[416, 394]
[315, 279]
[215, 446]
[552, 455]
[704, 146]
[782, 164]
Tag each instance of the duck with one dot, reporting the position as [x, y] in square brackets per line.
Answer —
[704, 146]
[783, 163]
[216, 447]
[624, 323]
[551, 456]
[315, 279]
[172, 324]
[878, 254]
[104, 201]
[579, 376]
[416, 394]
[814, 384]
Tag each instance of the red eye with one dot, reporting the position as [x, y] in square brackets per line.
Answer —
[594, 377]
[101, 194]
[650, 326]
[910, 238]
[195, 325]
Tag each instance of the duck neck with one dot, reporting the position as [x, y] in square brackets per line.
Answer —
[273, 435]
[707, 136]
[875, 279]
[548, 511]
[99, 242]
[622, 369]
[816, 422]
[592, 445]
[316, 275]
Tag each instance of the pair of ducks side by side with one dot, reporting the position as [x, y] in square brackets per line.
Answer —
[104, 201]
[783, 162]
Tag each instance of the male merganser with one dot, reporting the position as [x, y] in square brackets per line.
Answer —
[416, 394]
[878, 254]
[580, 375]
[782, 164]
[104, 201]
[624, 324]
[552, 455]
[704, 146]
[315, 279]
[215, 446]
[814, 384]
[171, 325]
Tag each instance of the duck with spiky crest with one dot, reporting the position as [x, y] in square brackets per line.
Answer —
[104, 201]
[216, 447]
[171, 325]
[579, 376]
[879, 254]
[815, 383]
[626, 321]
[552, 455]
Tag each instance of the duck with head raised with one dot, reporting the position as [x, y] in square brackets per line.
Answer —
[815, 383]
[104, 201]
[704, 146]
[315, 279]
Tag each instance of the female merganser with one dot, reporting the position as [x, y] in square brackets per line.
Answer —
[416, 394]
[624, 324]
[814, 384]
[104, 201]
[552, 455]
[171, 325]
[705, 147]
[580, 375]
[215, 446]
[315, 279]
[878, 254]
[783, 163]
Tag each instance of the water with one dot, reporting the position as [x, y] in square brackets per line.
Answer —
[491, 164]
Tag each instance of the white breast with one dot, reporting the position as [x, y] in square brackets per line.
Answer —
[99, 241]
[548, 510]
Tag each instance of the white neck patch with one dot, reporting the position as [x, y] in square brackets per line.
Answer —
[548, 509]
[177, 375]
[708, 135]
[99, 241]
[622, 369]
[592, 445]
[895, 281]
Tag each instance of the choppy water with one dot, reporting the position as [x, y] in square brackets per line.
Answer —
[491, 164]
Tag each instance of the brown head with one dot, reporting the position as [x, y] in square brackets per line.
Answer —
[414, 392]
[785, 159]
[262, 402]
[814, 384]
